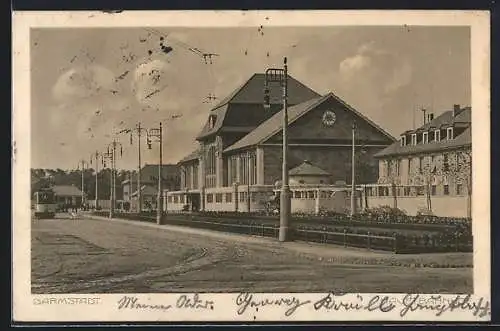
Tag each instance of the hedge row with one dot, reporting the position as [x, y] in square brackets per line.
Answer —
[449, 241]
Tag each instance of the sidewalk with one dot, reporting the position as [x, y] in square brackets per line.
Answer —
[321, 252]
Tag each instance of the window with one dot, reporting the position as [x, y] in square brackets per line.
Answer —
[425, 137]
[301, 181]
[420, 190]
[321, 181]
[211, 121]
[414, 139]
[176, 199]
[210, 198]
[169, 199]
[407, 191]
[449, 133]
[446, 164]
[242, 197]
[398, 168]
[433, 190]
[446, 189]
[253, 197]
[296, 194]
[437, 135]
[310, 195]
[420, 165]
[403, 140]
[459, 189]
[218, 197]
[229, 197]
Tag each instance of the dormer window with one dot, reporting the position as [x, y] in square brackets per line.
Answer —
[211, 121]
[414, 139]
[437, 135]
[425, 137]
[449, 133]
[403, 140]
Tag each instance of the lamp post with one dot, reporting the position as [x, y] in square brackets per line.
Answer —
[111, 154]
[139, 131]
[157, 133]
[353, 171]
[84, 164]
[95, 156]
[281, 76]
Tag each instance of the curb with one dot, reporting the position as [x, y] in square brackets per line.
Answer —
[346, 260]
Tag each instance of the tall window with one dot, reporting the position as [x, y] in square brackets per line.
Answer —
[210, 167]
[403, 140]
[449, 133]
[437, 135]
[425, 137]
[420, 165]
[414, 139]
[195, 176]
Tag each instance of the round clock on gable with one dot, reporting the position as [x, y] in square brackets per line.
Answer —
[329, 118]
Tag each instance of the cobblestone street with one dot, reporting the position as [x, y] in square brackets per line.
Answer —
[99, 256]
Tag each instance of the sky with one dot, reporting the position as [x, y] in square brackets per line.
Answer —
[89, 83]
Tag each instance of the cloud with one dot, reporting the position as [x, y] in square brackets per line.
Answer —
[83, 82]
[354, 64]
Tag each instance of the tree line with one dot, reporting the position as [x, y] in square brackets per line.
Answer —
[43, 178]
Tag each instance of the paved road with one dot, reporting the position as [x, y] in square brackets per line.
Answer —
[98, 256]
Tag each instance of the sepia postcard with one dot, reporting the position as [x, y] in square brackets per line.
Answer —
[251, 166]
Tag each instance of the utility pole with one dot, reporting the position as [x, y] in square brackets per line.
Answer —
[353, 173]
[84, 165]
[111, 153]
[96, 156]
[158, 134]
[281, 76]
[139, 130]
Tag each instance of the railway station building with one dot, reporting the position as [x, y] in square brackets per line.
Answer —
[238, 163]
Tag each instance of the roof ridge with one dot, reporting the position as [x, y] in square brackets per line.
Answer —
[319, 100]
[351, 108]
[233, 94]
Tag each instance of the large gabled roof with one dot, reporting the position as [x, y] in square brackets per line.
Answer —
[274, 124]
[251, 92]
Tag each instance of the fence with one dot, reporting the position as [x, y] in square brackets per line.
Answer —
[451, 241]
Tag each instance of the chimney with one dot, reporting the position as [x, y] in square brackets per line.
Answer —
[456, 110]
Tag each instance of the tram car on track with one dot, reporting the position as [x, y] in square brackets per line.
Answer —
[45, 204]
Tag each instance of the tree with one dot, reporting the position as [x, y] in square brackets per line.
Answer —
[460, 169]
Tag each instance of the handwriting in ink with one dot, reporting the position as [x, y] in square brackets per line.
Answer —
[246, 300]
[437, 304]
[193, 302]
[133, 303]
[331, 302]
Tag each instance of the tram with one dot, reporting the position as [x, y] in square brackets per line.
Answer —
[45, 204]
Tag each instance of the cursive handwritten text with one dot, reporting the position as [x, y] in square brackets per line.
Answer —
[436, 304]
[133, 303]
[247, 300]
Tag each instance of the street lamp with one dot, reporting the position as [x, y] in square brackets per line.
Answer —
[85, 165]
[96, 156]
[111, 154]
[157, 134]
[353, 171]
[281, 76]
[139, 131]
